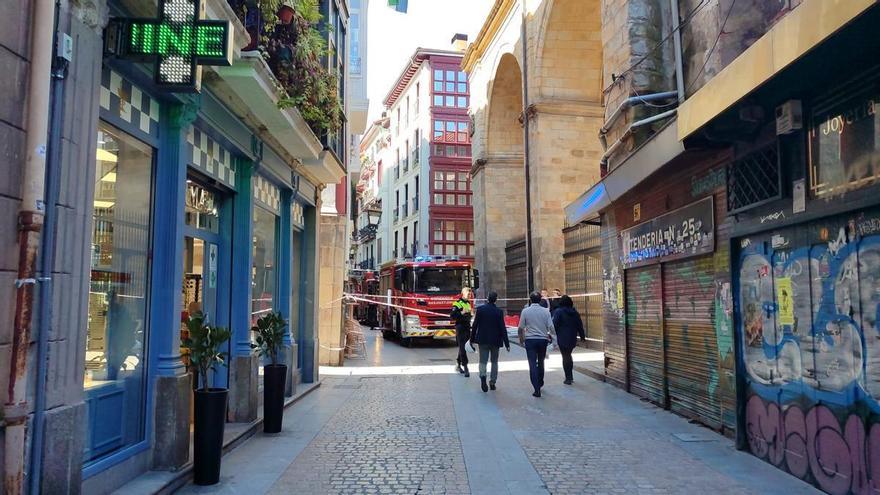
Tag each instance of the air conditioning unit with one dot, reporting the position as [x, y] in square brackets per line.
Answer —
[789, 117]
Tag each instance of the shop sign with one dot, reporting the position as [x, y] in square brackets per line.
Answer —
[687, 231]
[179, 42]
[200, 200]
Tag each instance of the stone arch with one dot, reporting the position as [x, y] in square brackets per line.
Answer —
[569, 53]
[499, 177]
[505, 134]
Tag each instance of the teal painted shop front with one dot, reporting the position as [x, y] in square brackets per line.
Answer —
[191, 212]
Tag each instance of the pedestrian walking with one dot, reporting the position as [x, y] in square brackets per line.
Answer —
[489, 332]
[461, 315]
[568, 325]
[554, 300]
[535, 332]
[545, 299]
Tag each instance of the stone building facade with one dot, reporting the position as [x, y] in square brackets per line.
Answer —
[563, 60]
[738, 210]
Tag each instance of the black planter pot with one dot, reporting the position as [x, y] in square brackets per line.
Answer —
[210, 420]
[274, 381]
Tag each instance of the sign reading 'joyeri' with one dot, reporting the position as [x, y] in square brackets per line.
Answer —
[179, 41]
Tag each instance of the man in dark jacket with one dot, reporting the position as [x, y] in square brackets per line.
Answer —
[569, 327]
[489, 332]
[461, 315]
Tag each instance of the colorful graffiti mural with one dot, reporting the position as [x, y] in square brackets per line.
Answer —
[808, 312]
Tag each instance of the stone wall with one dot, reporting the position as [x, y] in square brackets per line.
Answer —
[639, 60]
[744, 25]
[565, 95]
[332, 233]
[564, 162]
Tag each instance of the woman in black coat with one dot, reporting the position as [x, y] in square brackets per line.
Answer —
[569, 327]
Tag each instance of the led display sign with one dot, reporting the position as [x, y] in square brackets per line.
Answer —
[179, 41]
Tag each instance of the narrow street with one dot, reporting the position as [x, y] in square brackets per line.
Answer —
[402, 421]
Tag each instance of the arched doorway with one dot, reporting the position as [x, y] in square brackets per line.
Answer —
[500, 182]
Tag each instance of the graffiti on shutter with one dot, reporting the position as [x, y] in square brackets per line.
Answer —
[644, 334]
[691, 348]
[809, 335]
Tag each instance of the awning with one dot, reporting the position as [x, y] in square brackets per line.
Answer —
[662, 148]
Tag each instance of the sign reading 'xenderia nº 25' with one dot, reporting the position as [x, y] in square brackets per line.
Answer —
[179, 41]
[687, 231]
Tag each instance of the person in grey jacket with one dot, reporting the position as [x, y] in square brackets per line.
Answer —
[535, 332]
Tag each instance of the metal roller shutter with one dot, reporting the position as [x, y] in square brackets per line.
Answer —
[691, 346]
[644, 336]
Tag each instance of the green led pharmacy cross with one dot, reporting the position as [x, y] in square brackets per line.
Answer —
[179, 41]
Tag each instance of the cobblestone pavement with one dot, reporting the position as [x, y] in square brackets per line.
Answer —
[402, 422]
[394, 435]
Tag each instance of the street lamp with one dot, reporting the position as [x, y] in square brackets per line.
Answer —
[374, 215]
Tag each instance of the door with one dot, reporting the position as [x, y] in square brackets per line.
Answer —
[644, 336]
[200, 259]
[203, 286]
[691, 345]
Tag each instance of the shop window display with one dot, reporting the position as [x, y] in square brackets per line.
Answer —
[118, 293]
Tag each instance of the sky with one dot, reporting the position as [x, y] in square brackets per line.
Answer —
[392, 37]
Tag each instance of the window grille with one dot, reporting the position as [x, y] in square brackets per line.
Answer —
[753, 180]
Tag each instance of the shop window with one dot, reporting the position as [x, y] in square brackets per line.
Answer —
[118, 294]
[753, 180]
[845, 146]
[264, 260]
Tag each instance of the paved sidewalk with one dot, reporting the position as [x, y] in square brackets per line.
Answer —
[401, 421]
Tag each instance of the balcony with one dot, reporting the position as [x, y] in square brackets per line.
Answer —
[415, 204]
[405, 210]
[365, 234]
[397, 214]
[405, 165]
[415, 159]
[271, 85]
[368, 264]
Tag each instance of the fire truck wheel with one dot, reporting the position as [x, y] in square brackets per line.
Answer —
[406, 342]
[387, 334]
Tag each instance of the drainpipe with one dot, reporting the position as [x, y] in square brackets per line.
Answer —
[47, 261]
[603, 164]
[530, 269]
[676, 43]
[30, 222]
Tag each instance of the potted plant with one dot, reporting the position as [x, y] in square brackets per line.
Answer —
[204, 343]
[270, 330]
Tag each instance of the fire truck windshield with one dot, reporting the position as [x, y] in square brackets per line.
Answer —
[440, 280]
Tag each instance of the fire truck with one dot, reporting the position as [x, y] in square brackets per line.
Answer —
[365, 312]
[418, 295]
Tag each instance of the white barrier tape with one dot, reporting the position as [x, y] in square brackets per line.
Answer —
[408, 298]
[415, 310]
[333, 302]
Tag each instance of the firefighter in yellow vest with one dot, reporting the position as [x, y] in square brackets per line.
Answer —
[461, 315]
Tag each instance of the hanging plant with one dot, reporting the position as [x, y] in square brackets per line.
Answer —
[296, 51]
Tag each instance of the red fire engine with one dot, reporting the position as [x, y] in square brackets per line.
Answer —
[366, 312]
[419, 294]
